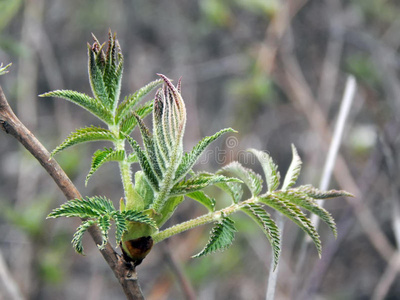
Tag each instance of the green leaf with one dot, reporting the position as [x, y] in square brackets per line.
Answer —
[149, 146]
[291, 211]
[144, 163]
[249, 177]
[293, 171]
[233, 189]
[81, 208]
[130, 101]
[83, 135]
[202, 198]
[222, 236]
[309, 204]
[168, 209]
[96, 79]
[120, 226]
[90, 104]
[104, 224]
[318, 194]
[190, 158]
[78, 235]
[102, 156]
[138, 216]
[128, 123]
[199, 182]
[269, 227]
[113, 70]
[270, 169]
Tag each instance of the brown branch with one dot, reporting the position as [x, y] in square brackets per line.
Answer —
[10, 124]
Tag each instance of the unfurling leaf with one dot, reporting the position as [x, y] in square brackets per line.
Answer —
[317, 194]
[222, 236]
[270, 169]
[293, 171]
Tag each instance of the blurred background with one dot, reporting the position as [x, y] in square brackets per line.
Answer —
[276, 71]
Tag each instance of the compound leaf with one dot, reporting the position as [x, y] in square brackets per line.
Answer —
[293, 171]
[270, 169]
[102, 156]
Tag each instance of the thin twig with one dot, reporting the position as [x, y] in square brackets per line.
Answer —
[10, 124]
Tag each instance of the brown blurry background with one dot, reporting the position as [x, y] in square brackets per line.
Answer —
[273, 70]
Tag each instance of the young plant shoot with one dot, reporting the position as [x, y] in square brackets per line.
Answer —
[166, 177]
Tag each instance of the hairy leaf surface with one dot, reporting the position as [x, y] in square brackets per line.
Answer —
[222, 236]
[233, 189]
[102, 156]
[130, 101]
[269, 227]
[317, 194]
[83, 135]
[295, 214]
[78, 235]
[90, 104]
[190, 158]
[248, 176]
[270, 169]
[294, 170]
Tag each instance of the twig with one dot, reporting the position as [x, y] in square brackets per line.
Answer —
[10, 124]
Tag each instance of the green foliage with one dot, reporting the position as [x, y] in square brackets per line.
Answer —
[166, 174]
[222, 236]
[98, 211]
[102, 156]
[269, 227]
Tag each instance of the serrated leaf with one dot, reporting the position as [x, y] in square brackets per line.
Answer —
[78, 235]
[101, 204]
[222, 236]
[120, 226]
[144, 163]
[87, 134]
[270, 169]
[291, 211]
[138, 216]
[150, 147]
[202, 198]
[293, 171]
[269, 227]
[199, 182]
[113, 69]
[248, 176]
[96, 80]
[309, 204]
[76, 208]
[128, 123]
[135, 98]
[233, 189]
[317, 194]
[102, 156]
[190, 158]
[104, 224]
[90, 104]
